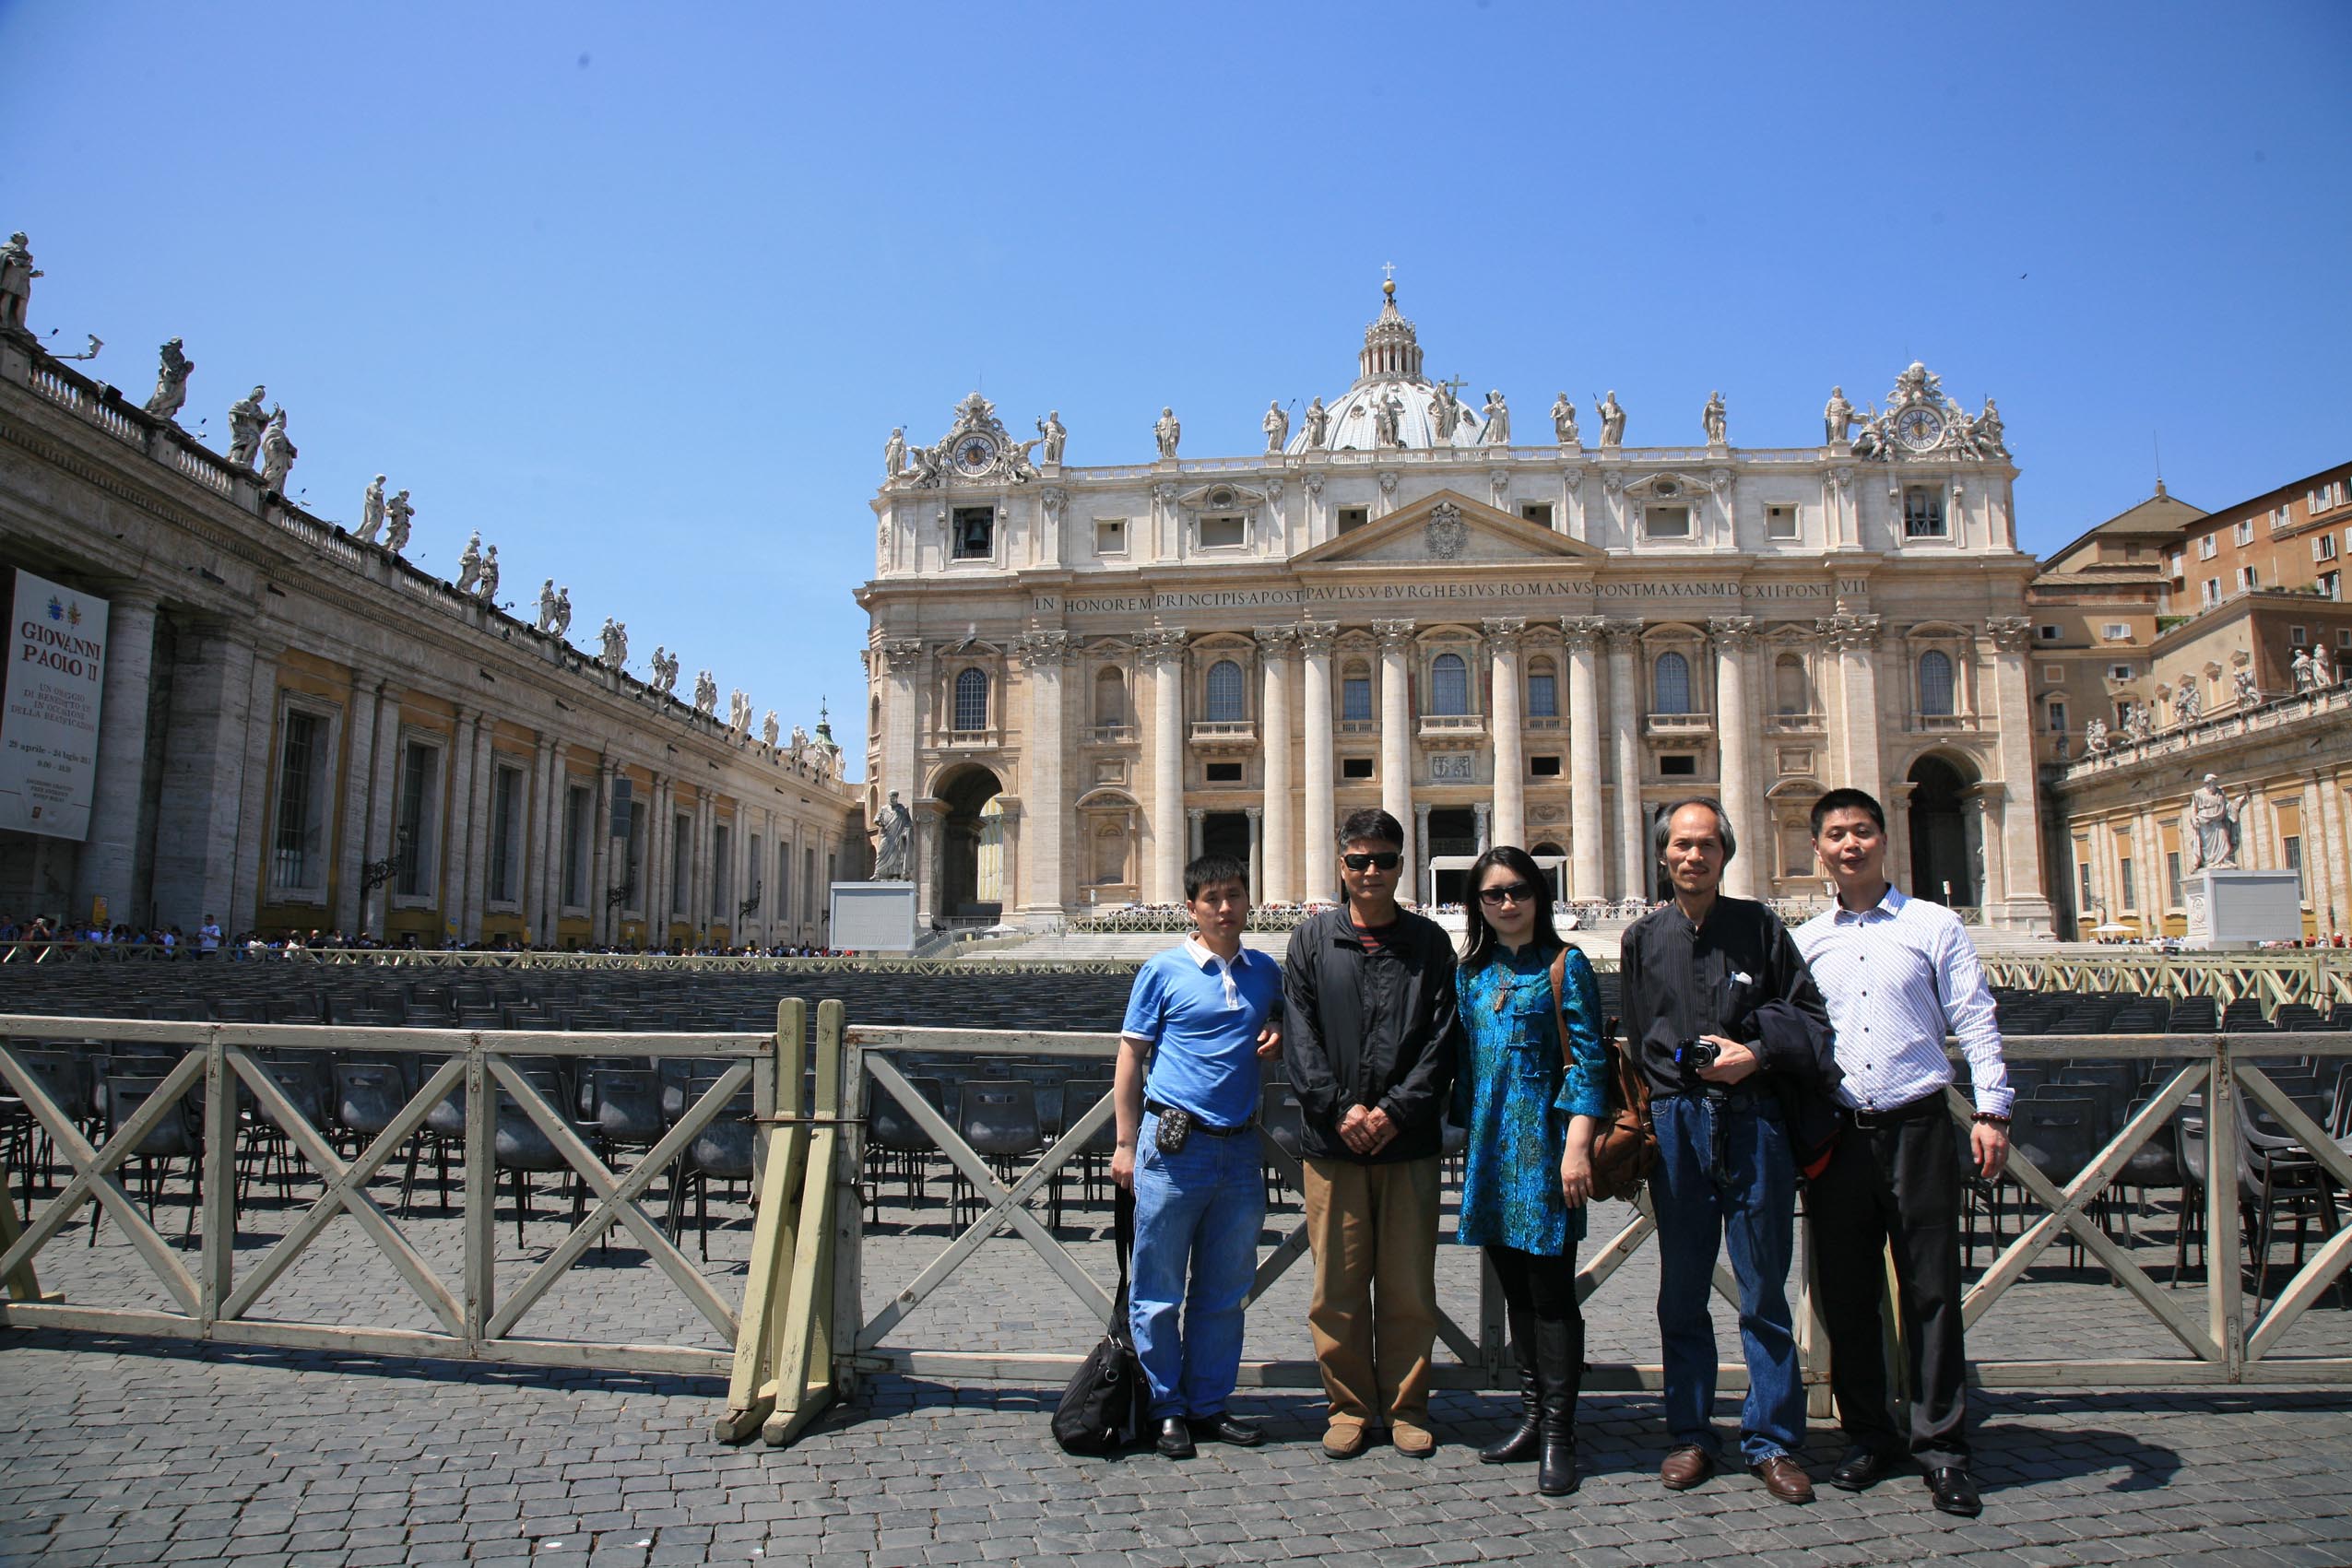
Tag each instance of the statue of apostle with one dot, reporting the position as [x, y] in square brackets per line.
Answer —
[1277, 426]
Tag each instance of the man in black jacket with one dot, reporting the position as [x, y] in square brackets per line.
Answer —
[1370, 1043]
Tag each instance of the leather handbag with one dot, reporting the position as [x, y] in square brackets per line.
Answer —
[1624, 1147]
[1102, 1408]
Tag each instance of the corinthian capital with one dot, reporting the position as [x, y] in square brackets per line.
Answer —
[1046, 647]
[903, 652]
[2011, 633]
[1503, 632]
[1393, 634]
[1584, 632]
[1732, 632]
[1316, 637]
[1161, 643]
[1273, 642]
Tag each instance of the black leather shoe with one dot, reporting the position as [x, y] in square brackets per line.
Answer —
[1176, 1438]
[1954, 1490]
[1225, 1427]
[1862, 1468]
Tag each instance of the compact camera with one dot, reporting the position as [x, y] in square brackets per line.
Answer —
[1693, 1055]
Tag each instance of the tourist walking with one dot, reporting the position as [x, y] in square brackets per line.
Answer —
[1369, 1036]
[1530, 1103]
[1186, 1095]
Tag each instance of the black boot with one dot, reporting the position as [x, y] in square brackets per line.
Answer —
[1559, 1363]
[1522, 1442]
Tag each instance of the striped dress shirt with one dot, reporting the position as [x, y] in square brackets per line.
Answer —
[1898, 977]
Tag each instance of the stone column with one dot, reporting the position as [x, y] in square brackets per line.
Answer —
[1735, 727]
[699, 909]
[474, 867]
[1503, 636]
[1898, 800]
[1986, 803]
[1008, 815]
[1317, 879]
[1586, 769]
[1163, 650]
[107, 866]
[383, 802]
[1855, 640]
[451, 867]
[359, 772]
[1396, 740]
[1625, 729]
[252, 868]
[1193, 817]
[600, 911]
[1273, 880]
[2026, 907]
[196, 843]
[1257, 815]
[2327, 793]
[902, 719]
[1045, 655]
[655, 895]
[538, 923]
[1424, 882]
[1484, 815]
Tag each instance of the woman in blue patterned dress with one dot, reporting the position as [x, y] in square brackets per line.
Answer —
[1531, 1118]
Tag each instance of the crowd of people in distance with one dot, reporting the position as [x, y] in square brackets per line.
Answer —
[91, 940]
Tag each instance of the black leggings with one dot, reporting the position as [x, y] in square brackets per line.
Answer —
[1534, 1283]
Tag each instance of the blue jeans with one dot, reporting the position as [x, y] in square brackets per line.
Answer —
[1197, 1212]
[1746, 1190]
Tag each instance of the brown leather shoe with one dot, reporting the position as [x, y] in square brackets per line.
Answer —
[1783, 1479]
[1411, 1439]
[1685, 1468]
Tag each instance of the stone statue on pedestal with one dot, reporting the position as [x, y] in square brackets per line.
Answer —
[769, 730]
[2094, 737]
[17, 273]
[1612, 420]
[1277, 426]
[1987, 435]
[487, 589]
[615, 639]
[1167, 433]
[705, 693]
[563, 612]
[547, 606]
[894, 842]
[371, 511]
[1318, 426]
[2322, 667]
[2189, 700]
[2249, 694]
[1053, 435]
[1563, 421]
[469, 563]
[1445, 412]
[2302, 667]
[246, 419]
[1498, 421]
[1387, 415]
[1711, 417]
[2209, 827]
[893, 453]
[171, 383]
[398, 514]
[2137, 725]
[665, 671]
[277, 453]
[1839, 417]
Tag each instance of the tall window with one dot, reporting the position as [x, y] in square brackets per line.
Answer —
[415, 827]
[1448, 685]
[974, 531]
[2124, 873]
[1110, 697]
[1225, 701]
[1355, 694]
[2172, 878]
[783, 892]
[808, 886]
[752, 868]
[722, 883]
[681, 863]
[506, 835]
[1792, 693]
[579, 808]
[298, 860]
[634, 888]
[1674, 681]
[1922, 511]
[1935, 682]
[1542, 690]
[2058, 718]
[2290, 850]
[971, 700]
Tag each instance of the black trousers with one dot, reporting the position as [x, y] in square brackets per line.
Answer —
[1531, 1282]
[1894, 1186]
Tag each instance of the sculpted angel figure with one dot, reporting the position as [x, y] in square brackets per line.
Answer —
[2094, 735]
[171, 382]
[1563, 421]
[371, 510]
[1987, 435]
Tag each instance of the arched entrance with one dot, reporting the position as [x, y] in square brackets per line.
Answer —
[1943, 864]
[971, 840]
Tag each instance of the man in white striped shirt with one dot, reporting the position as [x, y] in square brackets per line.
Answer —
[1898, 975]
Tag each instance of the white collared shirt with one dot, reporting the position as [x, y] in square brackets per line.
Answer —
[1898, 977]
[1199, 952]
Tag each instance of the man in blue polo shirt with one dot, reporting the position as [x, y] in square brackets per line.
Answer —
[1185, 1095]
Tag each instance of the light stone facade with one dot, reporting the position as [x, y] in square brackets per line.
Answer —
[300, 730]
[1080, 676]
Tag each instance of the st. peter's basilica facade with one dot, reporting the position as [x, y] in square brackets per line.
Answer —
[1080, 677]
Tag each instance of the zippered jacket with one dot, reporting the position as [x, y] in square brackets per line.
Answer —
[1374, 1026]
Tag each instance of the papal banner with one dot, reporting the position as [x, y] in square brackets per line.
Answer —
[49, 731]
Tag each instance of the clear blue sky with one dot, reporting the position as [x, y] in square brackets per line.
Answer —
[638, 291]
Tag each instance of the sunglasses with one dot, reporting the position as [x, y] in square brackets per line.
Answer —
[1518, 892]
[1375, 860]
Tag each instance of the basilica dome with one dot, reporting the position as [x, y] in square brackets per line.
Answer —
[1389, 376]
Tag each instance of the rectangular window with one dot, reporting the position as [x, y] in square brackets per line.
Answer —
[1779, 522]
[1222, 532]
[1666, 521]
[1543, 696]
[297, 861]
[1543, 767]
[579, 812]
[2058, 718]
[2210, 595]
[2120, 672]
[416, 826]
[2172, 879]
[633, 886]
[506, 834]
[1355, 767]
[2282, 516]
[1537, 512]
[722, 883]
[2117, 632]
[2131, 894]
[681, 863]
[2290, 850]
[1922, 511]
[2331, 584]
[2180, 563]
[1355, 697]
[2323, 546]
[2295, 636]
[1110, 535]
[2208, 547]
[2050, 633]
[752, 868]
[2248, 579]
[809, 886]
[2244, 532]
[1224, 772]
[973, 529]
[1678, 765]
[1353, 517]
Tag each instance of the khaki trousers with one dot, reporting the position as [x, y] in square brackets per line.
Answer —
[1374, 1230]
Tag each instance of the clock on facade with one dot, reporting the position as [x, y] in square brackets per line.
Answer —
[1919, 429]
[975, 454]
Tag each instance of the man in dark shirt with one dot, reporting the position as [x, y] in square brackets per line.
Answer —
[1370, 1039]
[1693, 975]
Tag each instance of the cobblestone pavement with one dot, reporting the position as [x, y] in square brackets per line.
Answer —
[120, 1451]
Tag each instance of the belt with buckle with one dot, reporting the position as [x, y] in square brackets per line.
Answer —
[1198, 1124]
[1909, 1111]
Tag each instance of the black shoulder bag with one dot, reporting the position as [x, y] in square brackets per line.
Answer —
[1102, 1408]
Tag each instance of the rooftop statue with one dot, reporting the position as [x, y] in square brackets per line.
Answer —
[398, 513]
[2209, 827]
[563, 612]
[1837, 417]
[1167, 431]
[2249, 694]
[246, 418]
[1054, 437]
[171, 382]
[1498, 422]
[547, 606]
[614, 636]
[1318, 426]
[277, 453]
[2094, 737]
[2305, 680]
[1277, 426]
[1387, 416]
[705, 693]
[469, 563]
[487, 589]
[768, 730]
[894, 453]
[1563, 421]
[17, 273]
[1989, 438]
[371, 511]
[1711, 416]
[2322, 667]
[1612, 421]
[665, 671]
[1445, 412]
[2189, 700]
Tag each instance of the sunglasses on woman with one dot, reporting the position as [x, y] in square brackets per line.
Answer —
[1375, 860]
[1517, 892]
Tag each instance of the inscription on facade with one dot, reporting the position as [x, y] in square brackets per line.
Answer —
[1378, 593]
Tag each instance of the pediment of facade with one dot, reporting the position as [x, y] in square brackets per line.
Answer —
[1449, 529]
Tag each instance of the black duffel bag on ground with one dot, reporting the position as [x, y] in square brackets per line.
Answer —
[1102, 1410]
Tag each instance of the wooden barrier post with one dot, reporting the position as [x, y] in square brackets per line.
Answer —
[804, 1383]
[23, 1285]
[783, 1149]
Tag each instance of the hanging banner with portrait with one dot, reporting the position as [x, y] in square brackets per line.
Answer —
[49, 728]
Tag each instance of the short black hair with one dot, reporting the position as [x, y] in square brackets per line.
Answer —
[1371, 825]
[1847, 799]
[1211, 868]
[1663, 828]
